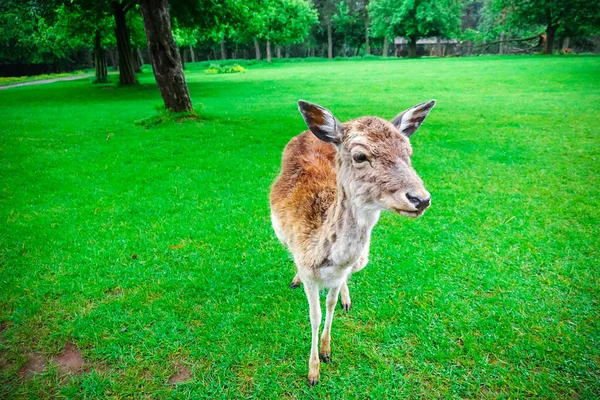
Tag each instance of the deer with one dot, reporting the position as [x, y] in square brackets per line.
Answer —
[335, 180]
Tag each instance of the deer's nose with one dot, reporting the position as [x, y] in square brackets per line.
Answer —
[420, 203]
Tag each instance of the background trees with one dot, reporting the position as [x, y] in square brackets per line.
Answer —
[414, 19]
[572, 16]
[52, 35]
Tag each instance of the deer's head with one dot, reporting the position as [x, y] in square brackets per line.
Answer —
[374, 157]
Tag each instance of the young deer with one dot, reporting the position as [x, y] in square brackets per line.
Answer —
[333, 184]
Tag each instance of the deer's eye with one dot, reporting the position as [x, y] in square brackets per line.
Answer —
[359, 157]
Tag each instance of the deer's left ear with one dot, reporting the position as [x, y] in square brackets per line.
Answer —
[321, 122]
[409, 121]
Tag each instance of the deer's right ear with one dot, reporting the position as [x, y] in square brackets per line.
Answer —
[321, 122]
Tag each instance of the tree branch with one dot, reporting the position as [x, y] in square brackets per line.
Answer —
[510, 40]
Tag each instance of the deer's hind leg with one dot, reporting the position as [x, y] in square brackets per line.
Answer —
[296, 282]
[332, 298]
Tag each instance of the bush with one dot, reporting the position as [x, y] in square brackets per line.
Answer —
[225, 69]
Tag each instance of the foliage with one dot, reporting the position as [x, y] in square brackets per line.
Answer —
[283, 21]
[29, 34]
[349, 23]
[572, 16]
[492, 294]
[225, 69]
[415, 19]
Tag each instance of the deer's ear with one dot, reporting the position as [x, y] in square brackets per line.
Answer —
[409, 121]
[321, 122]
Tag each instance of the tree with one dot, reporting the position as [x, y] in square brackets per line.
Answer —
[350, 24]
[552, 15]
[164, 56]
[285, 22]
[414, 19]
[327, 9]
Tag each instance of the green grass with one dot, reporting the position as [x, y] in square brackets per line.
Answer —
[493, 293]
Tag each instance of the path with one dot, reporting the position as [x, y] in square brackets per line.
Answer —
[66, 78]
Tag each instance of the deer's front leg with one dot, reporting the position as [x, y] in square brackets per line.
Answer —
[312, 294]
[360, 264]
[332, 297]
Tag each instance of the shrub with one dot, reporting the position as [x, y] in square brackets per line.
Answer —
[224, 69]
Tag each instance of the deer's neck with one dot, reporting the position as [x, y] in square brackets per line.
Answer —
[348, 226]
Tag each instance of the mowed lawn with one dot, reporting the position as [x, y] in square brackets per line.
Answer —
[146, 257]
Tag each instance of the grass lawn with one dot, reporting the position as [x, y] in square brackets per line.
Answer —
[148, 254]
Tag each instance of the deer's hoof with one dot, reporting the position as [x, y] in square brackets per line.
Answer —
[294, 285]
[313, 381]
[326, 358]
[346, 306]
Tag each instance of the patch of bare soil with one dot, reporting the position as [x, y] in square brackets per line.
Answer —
[35, 365]
[184, 374]
[70, 360]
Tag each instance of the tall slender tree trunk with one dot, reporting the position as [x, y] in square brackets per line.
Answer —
[164, 56]
[278, 50]
[114, 59]
[550, 33]
[329, 41]
[257, 49]
[502, 49]
[126, 67]
[268, 51]
[386, 46]
[367, 43]
[223, 50]
[140, 57]
[412, 47]
[565, 44]
[192, 54]
[137, 63]
[182, 56]
[438, 46]
[99, 60]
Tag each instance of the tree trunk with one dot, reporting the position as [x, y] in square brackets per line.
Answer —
[386, 46]
[412, 47]
[192, 54]
[438, 46]
[329, 41]
[140, 58]
[550, 32]
[164, 56]
[114, 59]
[565, 44]
[278, 50]
[99, 60]
[126, 67]
[137, 63]
[502, 49]
[182, 56]
[223, 50]
[367, 43]
[268, 51]
[257, 49]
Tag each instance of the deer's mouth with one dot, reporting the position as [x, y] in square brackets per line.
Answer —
[408, 213]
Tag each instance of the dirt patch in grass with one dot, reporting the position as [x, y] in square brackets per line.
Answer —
[35, 365]
[184, 374]
[70, 360]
